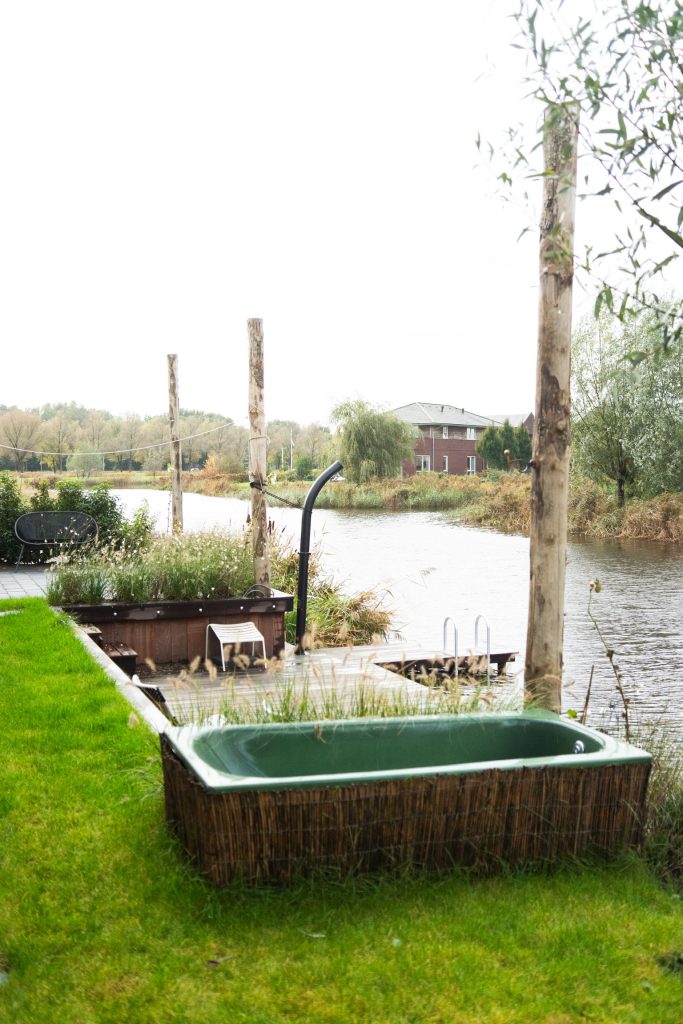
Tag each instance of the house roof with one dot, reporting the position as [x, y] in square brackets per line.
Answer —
[439, 414]
[515, 419]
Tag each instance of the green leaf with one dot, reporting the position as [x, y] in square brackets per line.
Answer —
[660, 266]
[668, 188]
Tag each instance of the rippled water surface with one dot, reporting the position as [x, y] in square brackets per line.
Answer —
[430, 567]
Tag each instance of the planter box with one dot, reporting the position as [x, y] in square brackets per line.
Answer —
[175, 631]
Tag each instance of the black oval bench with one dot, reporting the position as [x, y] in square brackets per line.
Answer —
[54, 530]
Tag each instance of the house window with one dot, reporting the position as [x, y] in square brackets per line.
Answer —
[444, 464]
[471, 433]
[422, 463]
[471, 465]
[445, 433]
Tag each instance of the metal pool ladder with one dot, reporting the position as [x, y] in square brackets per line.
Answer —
[480, 618]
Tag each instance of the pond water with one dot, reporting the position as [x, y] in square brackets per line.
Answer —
[429, 566]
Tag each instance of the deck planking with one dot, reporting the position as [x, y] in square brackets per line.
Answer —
[331, 681]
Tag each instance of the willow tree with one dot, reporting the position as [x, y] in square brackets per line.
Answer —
[373, 443]
[620, 67]
[627, 424]
[619, 70]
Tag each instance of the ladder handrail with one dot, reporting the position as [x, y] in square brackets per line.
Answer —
[455, 641]
[488, 641]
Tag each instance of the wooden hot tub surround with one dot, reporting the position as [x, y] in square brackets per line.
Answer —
[175, 631]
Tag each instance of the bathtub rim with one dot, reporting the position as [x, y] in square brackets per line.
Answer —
[181, 739]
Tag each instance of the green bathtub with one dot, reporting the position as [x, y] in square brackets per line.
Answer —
[267, 802]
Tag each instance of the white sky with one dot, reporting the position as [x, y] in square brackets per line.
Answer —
[171, 169]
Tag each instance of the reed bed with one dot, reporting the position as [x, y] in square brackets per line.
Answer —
[663, 847]
[660, 519]
[495, 500]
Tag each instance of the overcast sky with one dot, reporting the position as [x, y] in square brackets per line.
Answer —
[171, 169]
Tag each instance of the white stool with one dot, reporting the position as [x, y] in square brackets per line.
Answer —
[234, 635]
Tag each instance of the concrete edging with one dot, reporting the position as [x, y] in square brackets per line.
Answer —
[142, 705]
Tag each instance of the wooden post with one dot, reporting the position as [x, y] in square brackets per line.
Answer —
[550, 459]
[258, 454]
[174, 421]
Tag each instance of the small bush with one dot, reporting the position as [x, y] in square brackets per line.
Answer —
[11, 507]
[42, 500]
[113, 528]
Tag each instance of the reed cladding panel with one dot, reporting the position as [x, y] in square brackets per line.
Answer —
[482, 820]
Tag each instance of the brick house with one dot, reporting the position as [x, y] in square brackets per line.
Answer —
[448, 437]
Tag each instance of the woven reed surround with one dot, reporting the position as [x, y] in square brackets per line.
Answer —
[480, 820]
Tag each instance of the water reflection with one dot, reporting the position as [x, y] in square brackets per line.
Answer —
[430, 567]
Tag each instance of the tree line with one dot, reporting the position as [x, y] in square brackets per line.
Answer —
[69, 436]
[627, 427]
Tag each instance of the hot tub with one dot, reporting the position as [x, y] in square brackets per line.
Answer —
[268, 802]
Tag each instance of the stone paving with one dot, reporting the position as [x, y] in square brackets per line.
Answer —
[22, 581]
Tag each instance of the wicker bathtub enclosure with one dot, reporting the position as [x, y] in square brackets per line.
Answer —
[481, 815]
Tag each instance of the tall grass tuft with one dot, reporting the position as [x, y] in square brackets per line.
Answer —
[660, 518]
[182, 567]
[326, 694]
[663, 846]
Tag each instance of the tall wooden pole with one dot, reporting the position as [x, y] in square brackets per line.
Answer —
[550, 458]
[258, 453]
[174, 421]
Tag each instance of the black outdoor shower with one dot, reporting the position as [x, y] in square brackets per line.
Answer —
[305, 550]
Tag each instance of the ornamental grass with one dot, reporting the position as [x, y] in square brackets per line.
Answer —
[217, 564]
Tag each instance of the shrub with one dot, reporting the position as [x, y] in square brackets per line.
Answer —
[100, 504]
[41, 500]
[11, 507]
[113, 528]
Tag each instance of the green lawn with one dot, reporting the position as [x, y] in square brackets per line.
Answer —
[100, 920]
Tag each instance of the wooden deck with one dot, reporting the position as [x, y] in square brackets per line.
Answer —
[329, 682]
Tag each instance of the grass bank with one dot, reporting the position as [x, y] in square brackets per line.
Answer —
[496, 501]
[101, 921]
